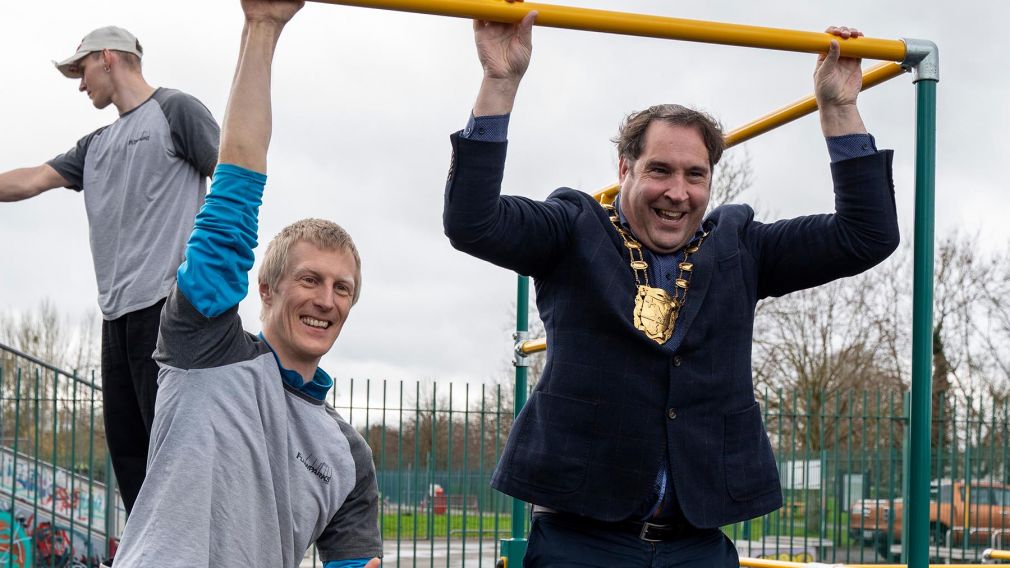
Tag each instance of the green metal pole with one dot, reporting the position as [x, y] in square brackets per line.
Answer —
[513, 549]
[917, 499]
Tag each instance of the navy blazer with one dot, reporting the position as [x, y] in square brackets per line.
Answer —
[591, 439]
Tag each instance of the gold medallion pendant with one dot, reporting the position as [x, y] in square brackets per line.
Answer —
[656, 313]
[656, 310]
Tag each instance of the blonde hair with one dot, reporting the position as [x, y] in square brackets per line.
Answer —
[324, 234]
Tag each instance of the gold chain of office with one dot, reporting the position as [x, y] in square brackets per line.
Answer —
[656, 310]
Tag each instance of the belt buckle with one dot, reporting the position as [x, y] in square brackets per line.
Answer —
[644, 533]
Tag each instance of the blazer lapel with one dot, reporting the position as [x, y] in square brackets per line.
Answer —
[701, 277]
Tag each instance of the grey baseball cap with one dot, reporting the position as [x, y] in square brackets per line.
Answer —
[109, 37]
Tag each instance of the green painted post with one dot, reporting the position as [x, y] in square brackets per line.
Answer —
[110, 498]
[14, 467]
[918, 468]
[35, 453]
[906, 459]
[73, 462]
[91, 473]
[513, 549]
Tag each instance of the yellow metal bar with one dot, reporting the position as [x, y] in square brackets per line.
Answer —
[643, 25]
[533, 346]
[991, 554]
[871, 78]
[764, 563]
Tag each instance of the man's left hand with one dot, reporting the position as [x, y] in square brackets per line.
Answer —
[837, 82]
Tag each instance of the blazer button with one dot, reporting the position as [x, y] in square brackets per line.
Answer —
[677, 360]
[671, 413]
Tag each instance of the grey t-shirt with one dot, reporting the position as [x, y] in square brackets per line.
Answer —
[243, 469]
[144, 179]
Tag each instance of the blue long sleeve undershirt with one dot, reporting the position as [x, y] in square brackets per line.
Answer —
[219, 255]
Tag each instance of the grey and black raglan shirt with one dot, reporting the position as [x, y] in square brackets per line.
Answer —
[143, 179]
[247, 465]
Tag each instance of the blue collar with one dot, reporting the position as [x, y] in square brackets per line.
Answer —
[316, 388]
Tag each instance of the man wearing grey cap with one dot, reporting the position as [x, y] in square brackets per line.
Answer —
[143, 178]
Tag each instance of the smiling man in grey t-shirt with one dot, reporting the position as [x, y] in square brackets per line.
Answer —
[143, 178]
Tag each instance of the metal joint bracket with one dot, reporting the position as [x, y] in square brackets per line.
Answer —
[923, 58]
[520, 359]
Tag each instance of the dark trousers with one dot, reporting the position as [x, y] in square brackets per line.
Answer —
[129, 388]
[556, 542]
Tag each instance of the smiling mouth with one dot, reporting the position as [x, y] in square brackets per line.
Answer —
[669, 215]
[312, 322]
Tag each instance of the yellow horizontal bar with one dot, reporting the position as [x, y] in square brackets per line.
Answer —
[996, 554]
[765, 563]
[871, 78]
[643, 25]
[533, 346]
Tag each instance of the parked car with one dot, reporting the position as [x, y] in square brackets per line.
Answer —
[869, 517]
[957, 511]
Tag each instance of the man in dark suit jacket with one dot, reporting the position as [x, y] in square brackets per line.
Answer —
[643, 435]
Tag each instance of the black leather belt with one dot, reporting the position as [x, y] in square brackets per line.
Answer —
[649, 532]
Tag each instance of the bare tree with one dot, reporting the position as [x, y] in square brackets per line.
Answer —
[734, 176]
[45, 412]
[819, 343]
[56, 338]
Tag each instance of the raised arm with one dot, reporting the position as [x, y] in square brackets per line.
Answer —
[214, 276]
[837, 81]
[513, 232]
[245, 135]
[504, 52]
[24, 183]
[809, 251]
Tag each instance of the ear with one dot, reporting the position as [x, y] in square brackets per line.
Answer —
[108, 58]
[266, 296]
[623, 167]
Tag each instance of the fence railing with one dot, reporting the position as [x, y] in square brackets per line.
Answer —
[56, 505]
[435, 445]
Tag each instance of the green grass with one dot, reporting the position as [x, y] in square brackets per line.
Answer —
[426, 526]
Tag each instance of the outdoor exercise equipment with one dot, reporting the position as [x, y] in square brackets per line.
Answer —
[919, 56]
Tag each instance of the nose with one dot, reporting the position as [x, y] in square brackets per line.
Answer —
[677, 190]
[82, 86]
[324, 298]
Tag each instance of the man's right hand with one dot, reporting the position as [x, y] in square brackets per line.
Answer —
[271, 11]
[504, 51]
[248, 122]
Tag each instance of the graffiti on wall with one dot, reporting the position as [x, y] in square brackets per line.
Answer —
[54, 490]
[27, 544]
[15, 545]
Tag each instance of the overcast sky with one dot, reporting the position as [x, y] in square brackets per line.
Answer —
[364, 101]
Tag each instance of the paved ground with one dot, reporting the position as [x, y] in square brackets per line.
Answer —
[437, 554]
[442, 554]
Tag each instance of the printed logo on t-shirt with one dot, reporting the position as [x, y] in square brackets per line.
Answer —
[316, 466]
[144, 136]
